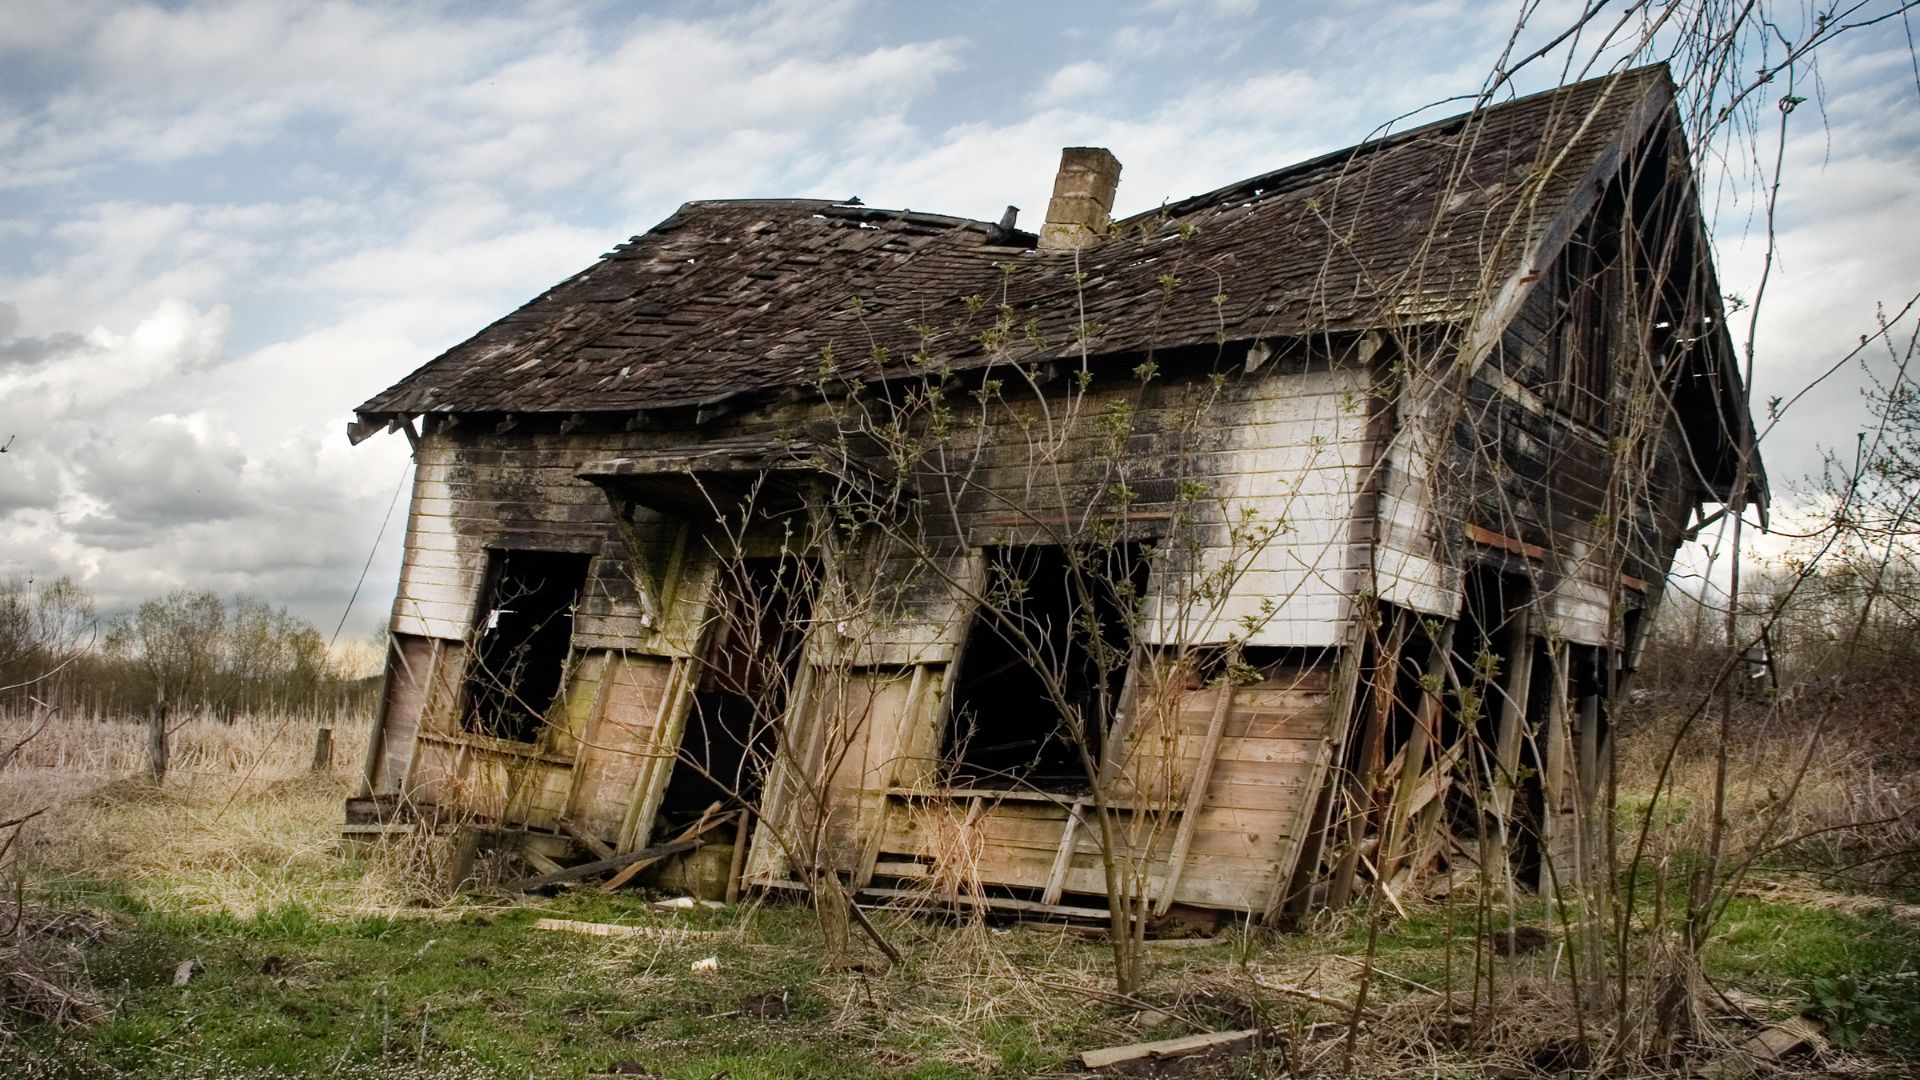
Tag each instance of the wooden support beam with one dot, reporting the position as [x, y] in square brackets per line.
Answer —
[598, 848]
[538, 861]
[873, 799]
[1556, 757]
[1399, 840]
[1516, 686]
[1589, 756]
[1063, 856]
[654, 774]
[742, 832]
[1196, 795]
[646, 587]
[709, 818]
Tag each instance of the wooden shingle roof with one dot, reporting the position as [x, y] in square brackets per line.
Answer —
[727, 298]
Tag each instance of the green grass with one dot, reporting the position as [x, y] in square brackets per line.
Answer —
[1799, 952]
[288, 993]
[475, 991]
[480, 993]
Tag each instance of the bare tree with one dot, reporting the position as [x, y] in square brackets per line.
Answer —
[178, 640]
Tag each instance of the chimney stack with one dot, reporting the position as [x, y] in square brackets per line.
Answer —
[1082, 205]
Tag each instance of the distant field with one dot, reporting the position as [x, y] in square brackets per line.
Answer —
[323, 963]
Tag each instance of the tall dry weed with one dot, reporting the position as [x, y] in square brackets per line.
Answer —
[242, 825]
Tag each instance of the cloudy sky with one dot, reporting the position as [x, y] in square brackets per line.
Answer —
[222, 225]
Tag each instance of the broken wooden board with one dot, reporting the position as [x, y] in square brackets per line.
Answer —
[1165, 1048]
[1775, 1041]
[615, 930]
[602, 866]
[699, 828]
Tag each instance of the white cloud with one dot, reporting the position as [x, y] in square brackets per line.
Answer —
[230, 222]
[1077, 80]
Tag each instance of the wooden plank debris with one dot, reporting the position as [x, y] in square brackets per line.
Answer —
[602, 866]
[579, 835]
[1775, 1041]
[699, 828]
[616, 930]
[1165, 1048]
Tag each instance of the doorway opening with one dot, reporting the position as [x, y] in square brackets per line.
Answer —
[745, 678]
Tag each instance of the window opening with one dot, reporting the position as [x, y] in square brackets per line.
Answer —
[1043, 665]
[522, 641]
[750, 660]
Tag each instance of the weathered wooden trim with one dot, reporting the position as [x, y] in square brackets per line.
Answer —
[1196, 796]
[1488, 538]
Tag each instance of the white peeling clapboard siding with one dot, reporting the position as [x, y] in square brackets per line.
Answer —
[1297, 452]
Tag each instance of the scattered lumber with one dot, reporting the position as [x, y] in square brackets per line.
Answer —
[615, 930]
[699, 828]
[1776, 1041]
[685, 903]
[540, 862]
[1164, 1048]
[602, 866]
[599, 848]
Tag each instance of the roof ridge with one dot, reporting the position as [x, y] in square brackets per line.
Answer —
[1387, 141]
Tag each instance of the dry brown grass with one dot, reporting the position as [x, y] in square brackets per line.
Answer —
[1829, 782]
[241, 826]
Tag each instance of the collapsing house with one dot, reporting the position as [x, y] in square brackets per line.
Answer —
[1281, 543]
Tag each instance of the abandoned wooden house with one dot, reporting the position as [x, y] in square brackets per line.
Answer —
[1277, 544]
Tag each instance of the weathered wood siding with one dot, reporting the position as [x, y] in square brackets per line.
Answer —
[1591, 497]
[620, 749]
[976, 842]
[410, 667]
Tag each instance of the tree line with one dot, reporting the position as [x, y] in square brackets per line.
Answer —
[189, 652]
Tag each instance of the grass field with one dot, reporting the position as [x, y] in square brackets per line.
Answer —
[318, 962]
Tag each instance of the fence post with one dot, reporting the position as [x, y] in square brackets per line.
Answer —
[323, 750]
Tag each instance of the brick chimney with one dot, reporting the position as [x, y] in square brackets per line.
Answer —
[1082, 204]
